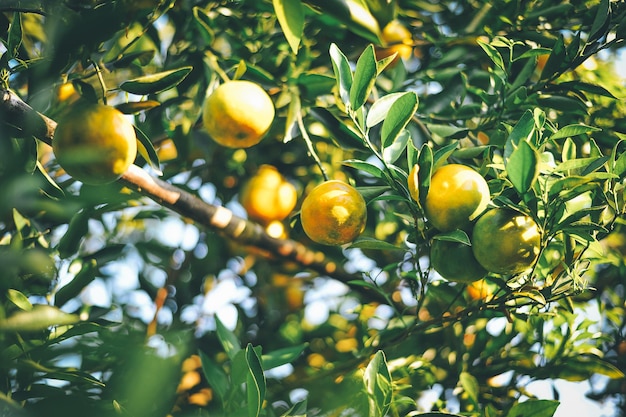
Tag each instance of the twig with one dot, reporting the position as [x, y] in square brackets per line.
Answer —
[15, 112]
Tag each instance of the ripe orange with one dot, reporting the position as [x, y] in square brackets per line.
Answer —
[505, 241]
[457, 195]
[94, 143]
[333, 213]
[238, 114]
[398, 39]
[455, 261]
[268, 196]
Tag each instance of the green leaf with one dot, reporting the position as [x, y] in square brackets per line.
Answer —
[343, 73]
[282, 356]
[297, 410]
[147, 151]
[255, 382]
[399, 115]
[377, 380]
[522, 167]
[19, 299]
[290, 16]
[76, 230]
[573, 130]
[470, 385]
[375, 244]
[380, 109]
[534, 408]
[555, 60]
[392, 152]
[155, 83]
[585, 365]
[40, 317]
[215, 376]
[352, 13]
[229, 341]
[14, 40]
[341, 133]
[454, 236]
[442, 154]
[367, 167]
[522, 131]
[425, 162]
[364, 78]
[292, 128]
[493, 54]
[87, 273]
[204, 24]
[134, 107]
[600, 22]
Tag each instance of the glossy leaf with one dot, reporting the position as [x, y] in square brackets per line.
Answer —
[299, 409]
[425, 162]
[367, 167]
[40, 317]
[282, 356]
[400, 113]
[19, 299]
[77, 229]
[377, 380]
[215, 376]
[535, 408]
[493, 54]
[380, 109]
[364, 78]
[147, 151]
[255, 382]
[573, 130]
[555, 60]
[375, 244]
[134, 107]
[392, 152]
[522, 131]
[290, 16]
[522, 167]
[155, 83]
[457, 235]
[343, 73]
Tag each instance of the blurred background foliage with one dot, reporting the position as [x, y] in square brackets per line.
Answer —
[149, 314]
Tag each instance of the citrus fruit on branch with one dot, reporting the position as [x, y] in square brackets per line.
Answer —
[456, 196]
[455, 261]
[333, 213]
[238, 114]
[94, 143]
[506, 241]
[268, 196]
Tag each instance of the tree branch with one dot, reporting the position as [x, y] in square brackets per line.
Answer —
[15, 112]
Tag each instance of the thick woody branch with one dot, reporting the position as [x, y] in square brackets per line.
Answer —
[17, 113]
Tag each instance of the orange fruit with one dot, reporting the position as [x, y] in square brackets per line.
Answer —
[506, 241]
[456, 196]
[238, 114]
[94, 143]
[397, 39]
[268, 196]
[480, 290]
[455, 261]
[333, 213]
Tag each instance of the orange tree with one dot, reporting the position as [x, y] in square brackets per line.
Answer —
[157, 295]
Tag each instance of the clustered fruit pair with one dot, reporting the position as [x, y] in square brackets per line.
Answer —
[503, 241]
